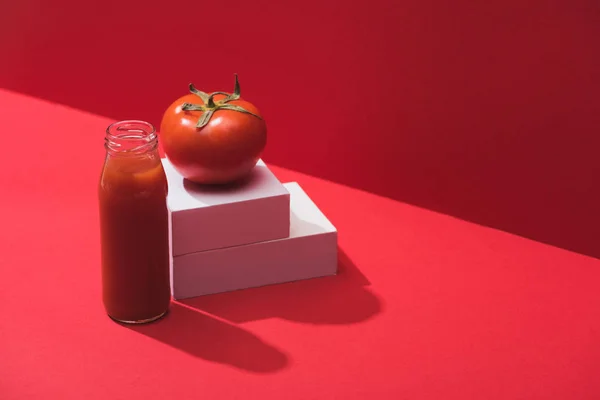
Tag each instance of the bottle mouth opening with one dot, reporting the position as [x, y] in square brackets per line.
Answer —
[130, 137]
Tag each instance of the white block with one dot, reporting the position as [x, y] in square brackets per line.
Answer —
[309, 252]
[211, 217]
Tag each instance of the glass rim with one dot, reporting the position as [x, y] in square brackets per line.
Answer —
[121, 132]
[150, 130]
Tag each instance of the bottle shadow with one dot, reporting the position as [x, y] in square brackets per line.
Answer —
[213, 340]
[340, 299]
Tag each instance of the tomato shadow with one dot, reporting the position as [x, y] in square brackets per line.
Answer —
[208, 338]
[260, 177]
[344, 298]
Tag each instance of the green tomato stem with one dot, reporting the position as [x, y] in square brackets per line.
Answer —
[209, 105]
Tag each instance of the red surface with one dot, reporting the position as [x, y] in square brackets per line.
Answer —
[426, 306]
[488, 110]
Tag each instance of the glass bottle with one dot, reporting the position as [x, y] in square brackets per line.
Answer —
[134, 225]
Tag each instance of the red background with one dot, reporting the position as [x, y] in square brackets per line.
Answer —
[488, 111]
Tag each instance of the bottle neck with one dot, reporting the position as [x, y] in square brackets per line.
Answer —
[130, 138]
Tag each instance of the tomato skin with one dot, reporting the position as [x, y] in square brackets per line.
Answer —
[223, 151]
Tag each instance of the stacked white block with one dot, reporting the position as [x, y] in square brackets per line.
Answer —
[211, 217]
[250, 250]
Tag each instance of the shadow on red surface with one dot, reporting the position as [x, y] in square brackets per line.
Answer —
[195, 326]
[341, 299]
[208, 338]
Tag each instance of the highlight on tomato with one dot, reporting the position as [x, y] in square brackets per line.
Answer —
[214, 138]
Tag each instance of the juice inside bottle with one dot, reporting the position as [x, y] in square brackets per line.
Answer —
[134, 225]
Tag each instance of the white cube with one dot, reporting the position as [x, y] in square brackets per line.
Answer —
[309, 252]
[211, 217]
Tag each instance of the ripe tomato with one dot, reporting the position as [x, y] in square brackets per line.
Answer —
[213, 138]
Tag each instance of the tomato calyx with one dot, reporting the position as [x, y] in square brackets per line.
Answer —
[209, 105]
